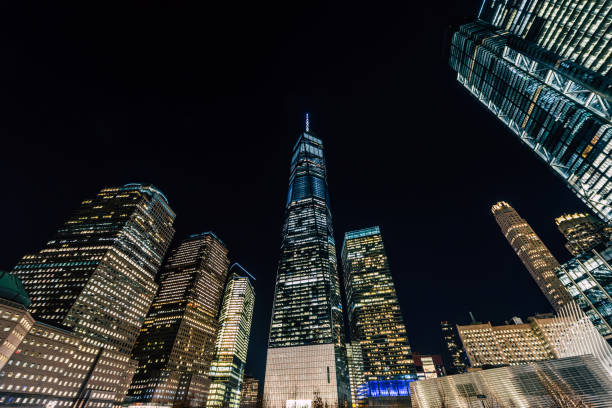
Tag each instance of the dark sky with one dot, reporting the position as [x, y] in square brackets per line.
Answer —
[206, 102]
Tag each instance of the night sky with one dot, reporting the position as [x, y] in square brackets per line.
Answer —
[206, 102]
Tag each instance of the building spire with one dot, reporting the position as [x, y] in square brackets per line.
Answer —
[307, 123]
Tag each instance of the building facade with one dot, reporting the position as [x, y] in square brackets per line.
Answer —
[176, 344]
[249, 395]
[306, 358]
[536, 66]
[227, 368]
[15, 321]
[511, 344]
[375, 319]
[583, 232]
[96, 276]
[588, 278]
[577, 381]
[49, 366]
[428, 365]
[536, 257]
[354, 358]
[456, 358]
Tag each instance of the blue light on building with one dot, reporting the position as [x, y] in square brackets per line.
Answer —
[388, 388]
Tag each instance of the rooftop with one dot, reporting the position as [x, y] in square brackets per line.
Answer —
[12, 289]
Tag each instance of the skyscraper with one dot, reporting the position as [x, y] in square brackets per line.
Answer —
[457, 360]
[588, 278]
[543, 68]
[176, 344]
[375, 319]
[227, 369]
[583, 232]
[354, 357]
[535, 256]
[96, 276]
[305, 348]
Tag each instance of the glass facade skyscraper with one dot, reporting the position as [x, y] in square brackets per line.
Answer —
[534, 254]
[176, 343]
[305, 348]
[96, 276]
[583, 232]
[375, 319]
[543, 68]
[588, 278]
[227, 369]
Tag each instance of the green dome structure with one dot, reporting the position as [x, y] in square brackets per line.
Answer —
[12, 289]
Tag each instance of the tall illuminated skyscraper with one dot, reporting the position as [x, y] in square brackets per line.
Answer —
[305, 349]
[96, 276]
[538, 260]
[227, 369]
[375, 319]
[543, 68]
[176, 344]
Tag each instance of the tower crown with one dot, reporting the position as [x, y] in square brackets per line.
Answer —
[501, 205]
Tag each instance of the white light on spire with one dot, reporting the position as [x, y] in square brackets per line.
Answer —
[307, 123]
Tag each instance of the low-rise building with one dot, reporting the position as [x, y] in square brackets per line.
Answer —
[15, 321]
[48, 366]
[511, 344]
[579, 381]
[428, 366]
[249, 394]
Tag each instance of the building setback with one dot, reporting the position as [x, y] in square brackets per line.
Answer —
[96, 276]
[375, 319]
[176, 344]
[536, 257]
[227, 369]
[306, 359]
[543, 68]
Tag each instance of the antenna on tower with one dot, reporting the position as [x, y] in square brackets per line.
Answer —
[307, 123]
